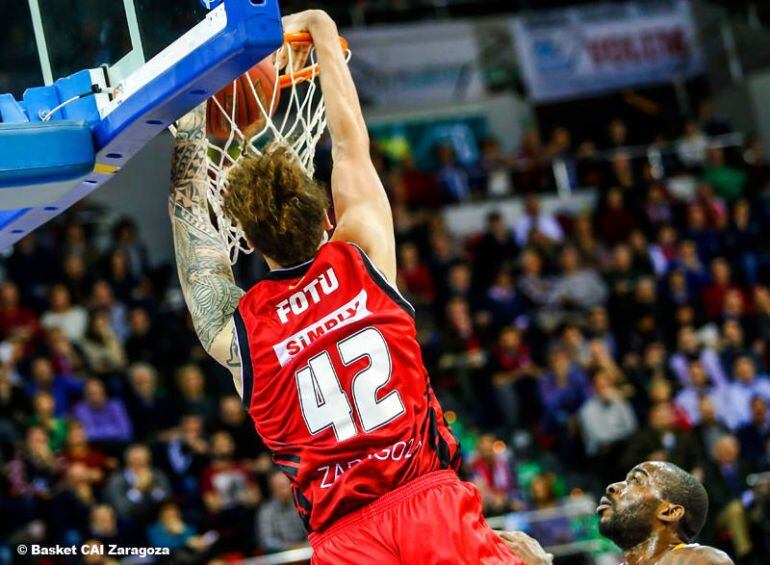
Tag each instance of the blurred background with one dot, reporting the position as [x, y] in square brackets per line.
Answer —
[582, 204]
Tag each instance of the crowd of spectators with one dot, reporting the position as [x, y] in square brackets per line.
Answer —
[565, 350]
[589, 342]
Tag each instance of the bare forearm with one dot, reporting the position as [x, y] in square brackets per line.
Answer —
[343, 108]
[203, 264]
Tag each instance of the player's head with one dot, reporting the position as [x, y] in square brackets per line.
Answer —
[655, 496]
[281, 210]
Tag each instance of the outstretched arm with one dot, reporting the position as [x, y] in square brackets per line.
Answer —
[360, 203]
[202, 260]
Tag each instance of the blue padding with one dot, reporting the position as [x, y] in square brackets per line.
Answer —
[11, 110]
[41, 100]
[38, 153]
[8, 217]
[73, 86]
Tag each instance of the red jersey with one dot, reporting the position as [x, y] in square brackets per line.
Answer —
[334, 381]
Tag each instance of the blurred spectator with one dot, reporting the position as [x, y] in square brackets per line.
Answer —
[534, 221]
[511, 362]
[494, 169]
[234, 420]
[607, 420]
[192, 398]
[184, 455]
[31, 473]
[745, 386]
[696, 388]
[15, 408]
[733, 344]
[103, 351]
[492, 473]
[104, 419]
[66, 357]
[120, 278]
[661, 441]
[563, 390]
[689, 347]
[534, 286]
[726, 481]
[548, 531]
[126, 240]
[279, 527]
[503, 300]
[714, 294]
[142, 342]
[30, 267]
[754, 436]
[728, 182]
[77, 450]
[414, 276]
[741, 241]
[71, 505]
[44, 417]
[150, 412]
[64, 389]
[229, 492]
[531, 161]
[137, 491]
[452, 178]
[103, 525]
[495, 248]
[78, 244]
[172, 532]
[577, 288]
[102, 298]
[692, 146]
[16, 321]
[709, 430]
[72, 320]
[614, 220]
[75, 277]
[559, 148]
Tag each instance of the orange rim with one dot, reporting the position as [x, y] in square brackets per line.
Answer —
[309, 72]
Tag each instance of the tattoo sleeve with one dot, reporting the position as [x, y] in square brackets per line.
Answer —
[203, 263]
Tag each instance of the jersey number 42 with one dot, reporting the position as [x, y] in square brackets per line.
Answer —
[325, 405]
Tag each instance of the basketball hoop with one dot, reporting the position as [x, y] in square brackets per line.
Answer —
[292, 114]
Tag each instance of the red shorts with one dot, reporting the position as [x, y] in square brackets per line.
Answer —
[431, 520]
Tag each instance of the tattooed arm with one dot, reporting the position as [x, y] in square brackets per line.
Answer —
[203, 263]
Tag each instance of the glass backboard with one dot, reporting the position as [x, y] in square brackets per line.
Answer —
[85, 84]
[45, 40]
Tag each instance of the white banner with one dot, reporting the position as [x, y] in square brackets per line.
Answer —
[592, 49]
[416, 64]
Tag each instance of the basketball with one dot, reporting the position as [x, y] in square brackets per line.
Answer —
[237, 100]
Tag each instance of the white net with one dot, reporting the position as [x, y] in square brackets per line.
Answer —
[293, 115]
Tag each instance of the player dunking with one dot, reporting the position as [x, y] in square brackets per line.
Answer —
[324, 350]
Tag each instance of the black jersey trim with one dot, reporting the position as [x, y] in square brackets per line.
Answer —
[290, 272]
[304, 508]
[247, 370]
[383, 283]
[288, 470]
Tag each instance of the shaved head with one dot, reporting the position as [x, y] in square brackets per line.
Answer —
[655, 495]
[680, 487]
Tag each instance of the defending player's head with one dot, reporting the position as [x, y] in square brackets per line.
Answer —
[282, 212]
[655, 497]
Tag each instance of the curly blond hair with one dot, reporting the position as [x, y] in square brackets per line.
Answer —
[277, 206]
